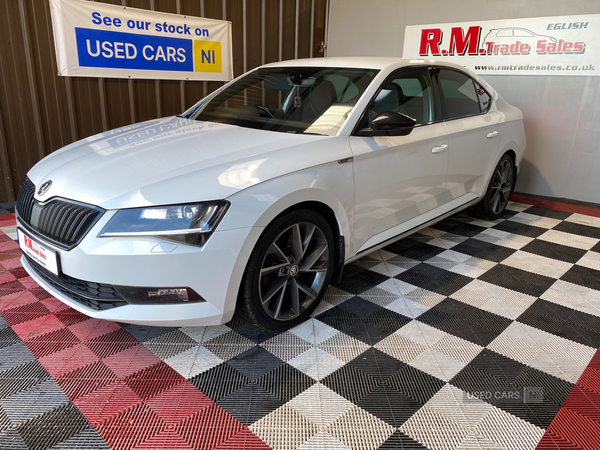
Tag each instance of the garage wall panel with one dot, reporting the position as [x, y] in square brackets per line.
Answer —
[21, 138]
[41, 111]
[562, 113]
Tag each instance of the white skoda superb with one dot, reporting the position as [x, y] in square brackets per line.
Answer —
[255, 198]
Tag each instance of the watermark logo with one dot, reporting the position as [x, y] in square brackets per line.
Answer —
[505, 394]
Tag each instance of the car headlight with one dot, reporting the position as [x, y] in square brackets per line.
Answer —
[190, 224]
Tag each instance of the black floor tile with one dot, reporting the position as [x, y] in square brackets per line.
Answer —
[400, 441]
[285, 382]
[390, 405]
[441, 320]
[545, 212]
[483, 250]
[416, 384]
[254, 334]
[410, 248]
[434, 279]
[338, 318]
[256, 362]
[554, 389]
[250, 403]
[465, 321]
[357, 279]
[579, 229]
[377, 364]
[360, 307]
[505, 380]
[498, 365]
[583, 276]
[517, 280]
[564, 322]
[474, 333]
[351, 383]
[367, 332]
[22, 377]
[220, 381]
[596, 248]
[8, 337]
[554, 251]
[55, 426]
[567, 314]
[144, 332]
[519, 228]
[389, 320]
[236, 322]
[459, 228]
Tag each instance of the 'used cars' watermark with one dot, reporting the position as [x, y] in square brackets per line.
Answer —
[505, 395]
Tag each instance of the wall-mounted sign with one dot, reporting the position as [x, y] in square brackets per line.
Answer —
[566, 45]
[94, 39]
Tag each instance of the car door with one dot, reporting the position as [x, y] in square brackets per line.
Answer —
[400, 181]
[473, 134]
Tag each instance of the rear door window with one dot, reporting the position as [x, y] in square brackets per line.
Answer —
[459, 94]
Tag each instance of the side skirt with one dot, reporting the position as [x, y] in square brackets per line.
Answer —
[411, 231]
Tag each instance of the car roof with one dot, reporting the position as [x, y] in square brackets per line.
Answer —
[362, 62]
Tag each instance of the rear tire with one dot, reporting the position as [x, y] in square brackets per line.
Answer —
[288, 271]
[501, 187]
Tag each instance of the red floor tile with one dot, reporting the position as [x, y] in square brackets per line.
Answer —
[209, 428]
[153, 380]
[67, 360]
[131, 360]
[244, 440]
[106, 403]
[559, 206]
[179, 403]
[93, 328]
[130, 428]
[577, 424]
[165, 440]
[84, 380]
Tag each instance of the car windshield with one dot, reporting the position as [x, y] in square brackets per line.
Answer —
[309, 100]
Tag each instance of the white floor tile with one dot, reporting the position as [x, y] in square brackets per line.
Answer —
[534, 220]
[537, 264]
[568, 239]
[320, 405]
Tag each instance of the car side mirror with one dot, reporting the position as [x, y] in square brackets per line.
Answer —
[395, 123]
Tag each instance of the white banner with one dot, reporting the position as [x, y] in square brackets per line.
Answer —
[566, 45]
[98, 40]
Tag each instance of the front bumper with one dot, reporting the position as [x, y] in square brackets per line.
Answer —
[214, 271]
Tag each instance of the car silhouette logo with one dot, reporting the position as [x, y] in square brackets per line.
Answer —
[44, 187]
[509, 34]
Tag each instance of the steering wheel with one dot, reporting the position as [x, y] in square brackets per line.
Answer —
[262, 108]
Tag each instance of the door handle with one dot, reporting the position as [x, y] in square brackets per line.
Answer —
[492, 134]
[439, 149]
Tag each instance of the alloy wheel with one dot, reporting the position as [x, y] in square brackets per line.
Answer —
[502, 186]
[293, 271]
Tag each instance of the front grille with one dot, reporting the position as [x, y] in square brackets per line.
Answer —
[62, 222]
[96, 296]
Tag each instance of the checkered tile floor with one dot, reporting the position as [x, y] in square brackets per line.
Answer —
[468, 335]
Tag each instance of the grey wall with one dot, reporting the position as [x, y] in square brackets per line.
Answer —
[562, 113]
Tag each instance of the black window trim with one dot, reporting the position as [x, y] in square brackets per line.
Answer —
[436, 109]
[442, 100]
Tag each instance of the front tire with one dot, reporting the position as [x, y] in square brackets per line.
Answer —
[288, 271]
[501, 187]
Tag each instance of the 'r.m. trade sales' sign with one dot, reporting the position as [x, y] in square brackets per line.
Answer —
[565, 45]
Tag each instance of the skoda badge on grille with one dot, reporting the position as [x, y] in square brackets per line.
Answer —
[44, 187]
